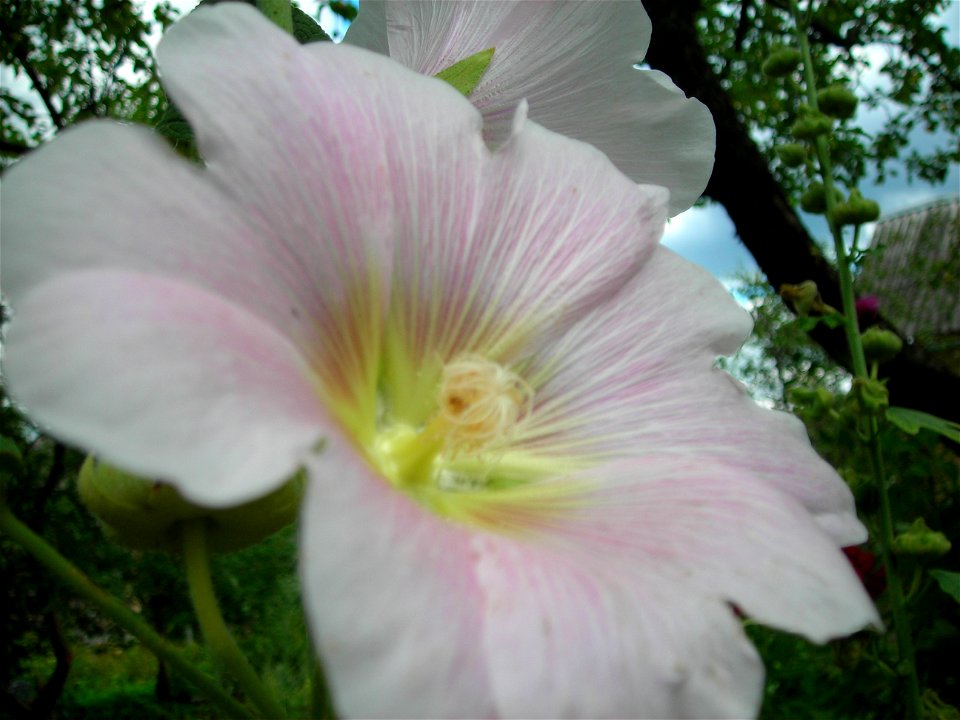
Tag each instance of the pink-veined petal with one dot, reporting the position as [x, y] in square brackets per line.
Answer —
[391, 597]
[551, 230]
[619, 606]
[574, 63]
[634, 377]
[566, 640]
[481, 245]
[106, 195]
[166, 380]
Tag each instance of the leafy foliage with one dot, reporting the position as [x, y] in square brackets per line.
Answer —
[889, 52]
[74, 60]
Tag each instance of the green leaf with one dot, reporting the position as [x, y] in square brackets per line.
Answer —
[465, 75]
[949, 582]
[912, 421]
[10, 457]
[305, 28]
[9, 450]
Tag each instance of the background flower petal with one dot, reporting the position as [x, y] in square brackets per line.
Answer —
[391, 597]
[166, 380]
[574, 63]
[635, 377]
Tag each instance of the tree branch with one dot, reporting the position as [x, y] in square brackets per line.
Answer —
[20, 53]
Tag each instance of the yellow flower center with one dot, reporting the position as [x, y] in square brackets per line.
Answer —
[479, 406]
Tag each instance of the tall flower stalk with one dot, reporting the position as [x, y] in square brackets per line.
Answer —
[860, 372]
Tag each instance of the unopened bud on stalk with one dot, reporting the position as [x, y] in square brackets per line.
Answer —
[781, 61]
[811, 124]
[814, 198]
[921, 540]
[792, 154]
[855, 210]
[146, 514]
[880, 345]
[872, 395]
[837, 101]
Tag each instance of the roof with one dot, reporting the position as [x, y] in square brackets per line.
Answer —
[913, 268]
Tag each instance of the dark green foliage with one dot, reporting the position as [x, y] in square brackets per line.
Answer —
[83, 59]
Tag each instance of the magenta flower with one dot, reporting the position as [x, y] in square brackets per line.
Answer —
[536, 497]
[573, 62]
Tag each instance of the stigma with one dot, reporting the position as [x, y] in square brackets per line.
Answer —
[481, 403]
[479, 407]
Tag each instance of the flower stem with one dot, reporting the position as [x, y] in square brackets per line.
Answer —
[221, 643]
[859, 363]
[73, 578]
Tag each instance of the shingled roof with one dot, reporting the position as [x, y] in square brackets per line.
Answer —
[913, 268]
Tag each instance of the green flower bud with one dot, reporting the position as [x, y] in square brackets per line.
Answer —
[921, 540]
[809, 127]
[855, 210]
[792, 154]
[781, 61]
[146, 515]
[880, 345]
[814, 198]
[825, 398]
[803, 396]
[802, 296]
[837, 101]
[871, 394]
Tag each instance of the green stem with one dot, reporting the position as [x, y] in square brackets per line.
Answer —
[112, 608]
[858, 360]
[851, 325]
[901, 621]
[278, 12]
[221, 643]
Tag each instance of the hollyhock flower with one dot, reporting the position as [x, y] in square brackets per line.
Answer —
[574, 64]
[530, 493]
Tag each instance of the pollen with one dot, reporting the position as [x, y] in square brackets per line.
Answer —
[481, 402]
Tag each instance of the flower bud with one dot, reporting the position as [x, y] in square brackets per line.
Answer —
[921, 540]
[792, 154]
[146, 514]
[802, 296]
[872, 395]
[814, 198]
[880, 345]
[855, 210]
[810, 126]
[837, 101]
[781, 62]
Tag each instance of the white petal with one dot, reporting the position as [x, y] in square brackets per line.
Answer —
[164, 379]
[636, 377]
[573, 62]
[390, 593]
